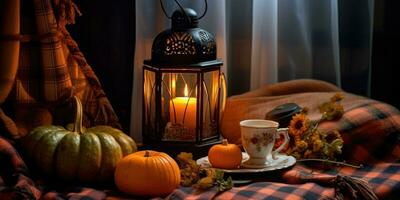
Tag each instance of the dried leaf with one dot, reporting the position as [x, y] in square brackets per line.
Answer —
[204, 183]
[337, 145]
[190, 171]
[224, 185]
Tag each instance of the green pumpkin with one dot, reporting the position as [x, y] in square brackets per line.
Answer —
[77, 153]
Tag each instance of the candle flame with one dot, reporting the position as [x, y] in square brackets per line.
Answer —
[186, 92]
[173, 84]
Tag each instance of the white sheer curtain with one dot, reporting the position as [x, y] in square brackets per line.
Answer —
[267, 41]
[294, 39]
[264, 51]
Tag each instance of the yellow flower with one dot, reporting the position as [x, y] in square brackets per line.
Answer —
[337, 97]
[332, 135]
[298, 126]
[301, 145]
[317, 146]
[331, 110]
[315, 135]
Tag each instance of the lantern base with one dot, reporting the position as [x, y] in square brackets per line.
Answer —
[174, 148]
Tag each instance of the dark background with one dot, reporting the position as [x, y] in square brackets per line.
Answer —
[386, 52]
[106, 35]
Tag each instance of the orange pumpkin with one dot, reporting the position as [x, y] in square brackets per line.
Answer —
[147, 173]
[225, 156]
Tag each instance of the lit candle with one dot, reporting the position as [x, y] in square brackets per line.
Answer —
[180, 104]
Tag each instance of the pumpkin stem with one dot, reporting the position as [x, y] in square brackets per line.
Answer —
[224, 142]
[78, 116]
[146, 154]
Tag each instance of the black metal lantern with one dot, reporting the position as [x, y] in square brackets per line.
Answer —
[183, 88]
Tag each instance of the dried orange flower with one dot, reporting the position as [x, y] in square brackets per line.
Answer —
[298, 126]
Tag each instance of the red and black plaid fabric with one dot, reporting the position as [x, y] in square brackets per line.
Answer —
[14, 183]
[304, 183]
[381, 168]
[370, 133]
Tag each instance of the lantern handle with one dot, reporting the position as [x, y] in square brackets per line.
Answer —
[181, 7]
[205, 10]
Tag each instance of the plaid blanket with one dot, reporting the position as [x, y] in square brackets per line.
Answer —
[370, 133]
[304, 183]
[299, 182]
[372, 138]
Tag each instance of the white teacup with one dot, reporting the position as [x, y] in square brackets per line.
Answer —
[258, 139]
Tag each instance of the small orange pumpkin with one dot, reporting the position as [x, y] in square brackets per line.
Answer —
[147, 173]
[225, 156]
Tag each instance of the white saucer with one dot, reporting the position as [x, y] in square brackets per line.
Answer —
[269, 162]
[282, 161]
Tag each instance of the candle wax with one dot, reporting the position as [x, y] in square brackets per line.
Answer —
[180, 104]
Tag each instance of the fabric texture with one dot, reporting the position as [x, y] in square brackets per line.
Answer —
[370, 130]
[13, 172]
[51, 70]
[300, 182]
[304, 183]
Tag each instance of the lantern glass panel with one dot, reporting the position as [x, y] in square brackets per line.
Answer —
[179, 106]
[210, 116]
[149, 103]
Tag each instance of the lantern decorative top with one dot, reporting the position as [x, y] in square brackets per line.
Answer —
[185, 43]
